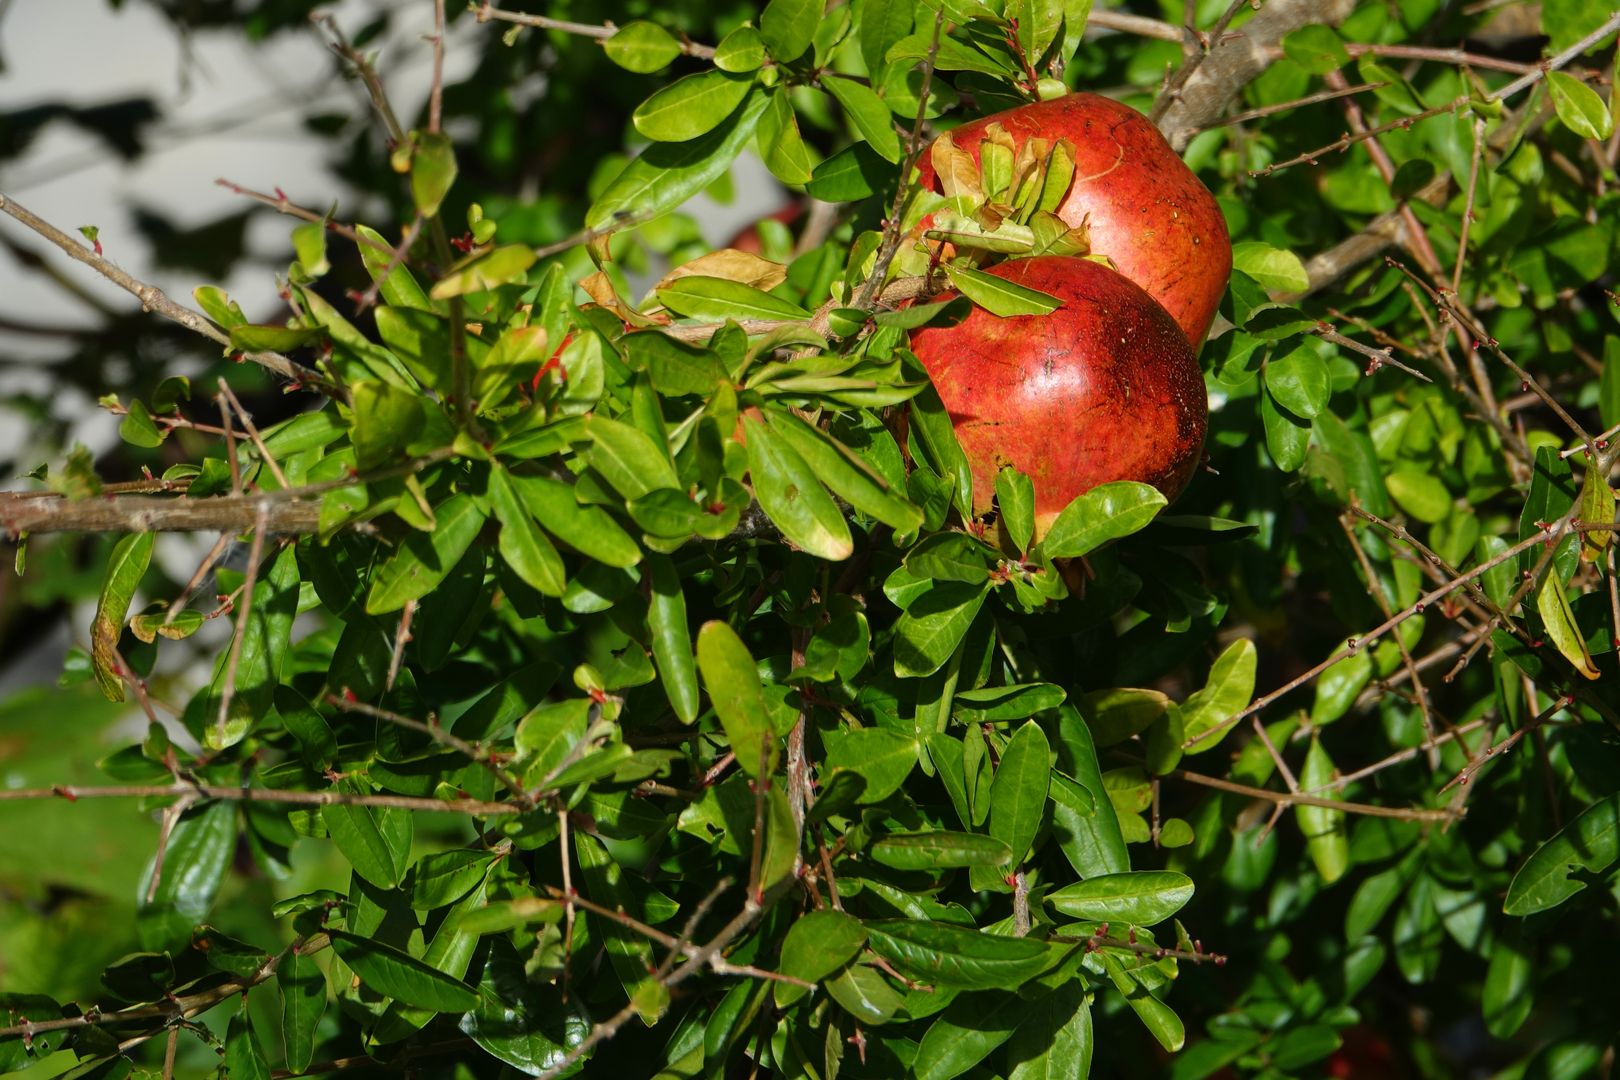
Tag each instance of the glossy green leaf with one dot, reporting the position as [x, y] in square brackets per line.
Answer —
[1018, 795]
[522, 1022]
[671, 637]
[401, 976]
[628, 458]
[690, 106]
[788, 26]
[1116, 715]
[1015, 505]
[1420, 493]
[932, 626]
[1590, 842]
[1338, 687]
[1054, 1040]
[303, 1003]
[1579, 106]
[395, 283]
[1106, 512]
[1316, 48]
[1299, 381]
[138, 429]
[524, 547]
[789, 491]
[1210, 713]
[485, 271]
[667, 174]
[732, 680]
[244, 1056]
[642, 47]
[1092, 842]
[425, 559]
[882, 757]
[846, 474]
[817, 944]
[870, 116]
[999, 703]
[999, 296]
[376, 840]
[194, 865]
[1323, 829]
[853, 173]
[250, 338]
[1276, 270]
[948, 955]
[1160, 1020]
[125, 568]
[966, 1033]
[698, 297]
[940, 850]
[1559, 619]
[433, 170]
[1141, 898]
[444, 877]
[781, 144]
[864, 994]
[588, 529]
[675, 367]
[741, 50]
[1508, 997]
[1288, 438]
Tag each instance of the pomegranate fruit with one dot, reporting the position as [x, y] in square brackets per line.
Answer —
[1104, 388]
[1144, 209]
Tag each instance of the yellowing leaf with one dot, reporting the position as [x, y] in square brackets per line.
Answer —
[1597, 508]
[731, 265]
[958, 174]
[1555, 612]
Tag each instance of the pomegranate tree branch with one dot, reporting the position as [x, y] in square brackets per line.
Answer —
[601, 31]
[155, 299]
[1289, 798]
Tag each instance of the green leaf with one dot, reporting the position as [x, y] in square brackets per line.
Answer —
[1015, 504]
[1117, 714]
[446, 876]
[523, 1022]
[218, 305]
[741, 50]
[425, 559]
[817, 944]
[249, 338]
[940, 850]
[588, 529]
[130, 558]
[628, 458]
[138, 428]
[854, 173]
[1299, 381]
[1156, 1016]
[485, 271]
[1054, 1041]
[1038, 24]
[433, 170]
[400, 975]
[1106, 512]
[845, 473]
[788, 27]
[691, 106]
[933, 625]
[1316, 48]
[997, 703]
[676, 368]
[244, 1057]
[1420, 493]
[1323, 829]
[880, 756]
[698, 297]
[965, 1034]
[1590, 842]
[864, 994]
[1338, 687]
[1018, 796]
[671, 637]
[399, 287]
[1276, 270]
[642, 47]
[309, 245]
[376, 840]
[883, 22]
[1210, 713]
[1559, 619]
[948, 955]
[524, 547]
[194, 864]
[1141, 898]
[999, 296]
[1287, 439]
[732, 679]
[1092, 842]
[869, 114]
[667, 174]
[790, 492]
[303, 1003]
[1508, 993]
[1579, 106]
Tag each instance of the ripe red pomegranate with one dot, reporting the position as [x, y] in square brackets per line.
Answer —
[1104, 388]
[1146, 211]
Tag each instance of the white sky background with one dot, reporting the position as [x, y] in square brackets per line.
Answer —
[226, 107]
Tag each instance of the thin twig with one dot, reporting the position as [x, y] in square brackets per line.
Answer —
[487, 11]
[253, 434]
[1289, 798]
[75, 792]
[228, 690]
[436, 731]
[402, 637]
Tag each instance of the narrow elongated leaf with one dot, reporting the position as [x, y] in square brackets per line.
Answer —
[1590, 842]
[699, 297]
[940, 850]
[425, 559]
[1142, 898]
[1324, 830]
[965, 1034]
[1018, 796]
[1092, 842]
[194, 865]
[1104, 513]
[1210, 713]
[948, 955]
[868, 113]
[628, 458]
[790, 492]
[376, 840]
[732, 680]
[1553, 606]
[524, 547]
[667, 174]
[588, 529]
[690, 106]
[847, 475]
[999, 296]
[244, 1057]
[996, 703]
[130, 558]
[400, 975]
[671, 637]
[1155, 1015]
[303, 1003]
[1054, 1041]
